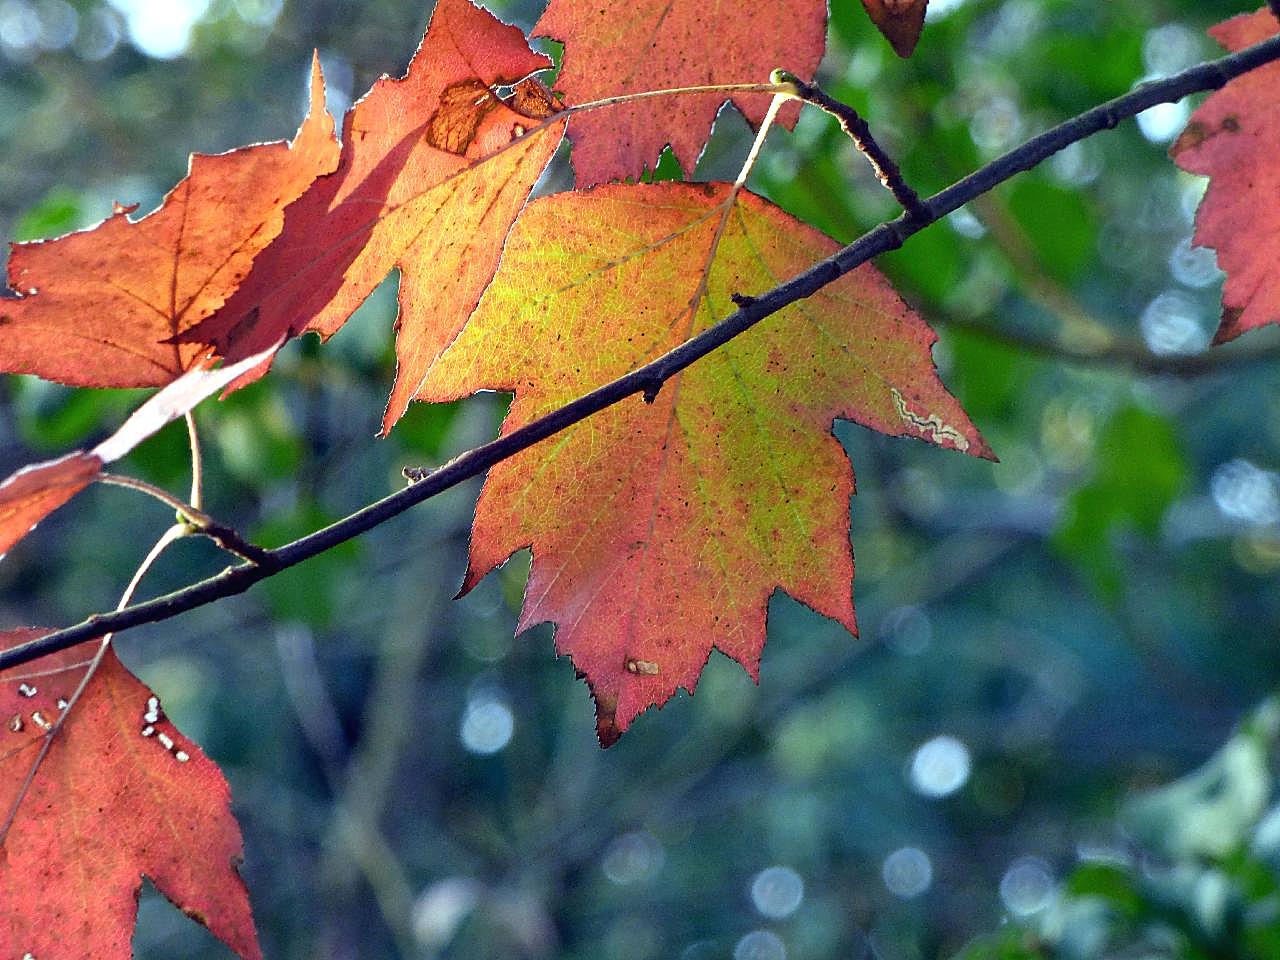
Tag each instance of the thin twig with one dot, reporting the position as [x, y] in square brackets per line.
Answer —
[194, 520]
[859, 132]
[888, 236]
[231, 541]
[185, 511]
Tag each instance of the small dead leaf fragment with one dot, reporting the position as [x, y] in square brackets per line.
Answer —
[627, 46]
[660, 530]
[36, 491]
[107, 807]
[901, 22]
[1232, 140]
[108, 300]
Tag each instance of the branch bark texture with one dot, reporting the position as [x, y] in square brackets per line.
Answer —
[645, 380]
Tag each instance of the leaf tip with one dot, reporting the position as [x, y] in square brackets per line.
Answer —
[901, 22]
[608, 729]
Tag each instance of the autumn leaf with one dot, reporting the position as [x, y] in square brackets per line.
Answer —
[99, 306]
[623, 46]
[35, 491]
[1232, 139]
[901, 22]
[122, 794]
[659, 531]
[434, 169]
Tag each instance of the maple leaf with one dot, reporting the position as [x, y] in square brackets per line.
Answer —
[99, 306]
[35, 491]
[659, 531]
[901, 22]
[434, 169]
[122, 794]
[1231, 139]
[623, 46]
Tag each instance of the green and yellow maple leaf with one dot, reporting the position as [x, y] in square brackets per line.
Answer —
[660, 530]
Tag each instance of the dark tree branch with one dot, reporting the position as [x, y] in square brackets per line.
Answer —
[888, 236]
[859, 132]
[231, 541]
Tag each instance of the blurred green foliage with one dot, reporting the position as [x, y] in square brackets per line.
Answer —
[1139, 471]
[1044, 641]
[1199, 879]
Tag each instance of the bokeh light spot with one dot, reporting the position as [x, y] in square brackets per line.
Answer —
[760, 945]
[1245, 492]
[1026, 887]
[633, 858]
[161, 28]
[487, 725]
[777, 892]
[907, 872]
[1172, 324]
[940, 767]
[1164, 121]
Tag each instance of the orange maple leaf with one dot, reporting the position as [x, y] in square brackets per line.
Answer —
[1232, 139]
[622, 46]
[434, 169]
[100, 307]
[122, 794]
[659, 531]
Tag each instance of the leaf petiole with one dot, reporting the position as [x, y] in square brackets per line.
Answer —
[782, 89]
[193, 521]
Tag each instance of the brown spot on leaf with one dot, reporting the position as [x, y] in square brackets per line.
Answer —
[532, 99]
[1195, 134]
[462, 108]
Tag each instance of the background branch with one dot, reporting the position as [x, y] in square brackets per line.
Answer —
[888, 236]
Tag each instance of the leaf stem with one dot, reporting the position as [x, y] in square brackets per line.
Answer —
[194, 520]
[185, 511]
[174, 533]
[777, 89]
[197, 461]
[1211, 75]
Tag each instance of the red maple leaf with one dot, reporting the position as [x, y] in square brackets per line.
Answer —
[623, 46]
[1232, 139]
[121, 795]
